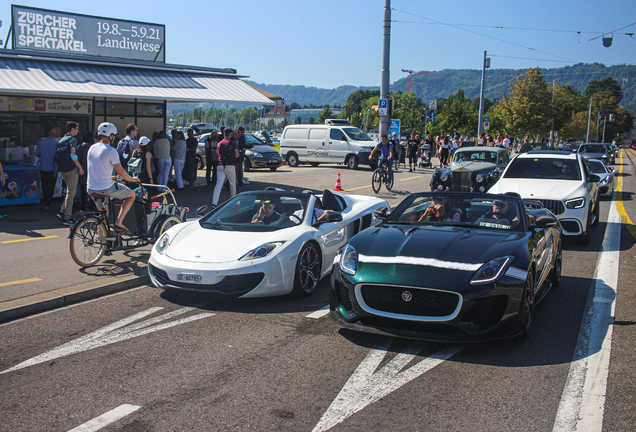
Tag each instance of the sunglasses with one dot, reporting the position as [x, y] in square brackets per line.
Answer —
[500, 203]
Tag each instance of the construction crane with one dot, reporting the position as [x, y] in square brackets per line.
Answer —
[410, 72]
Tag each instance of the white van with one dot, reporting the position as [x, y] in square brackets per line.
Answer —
[316, 144]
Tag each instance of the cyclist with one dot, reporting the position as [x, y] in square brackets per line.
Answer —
[386, 154]
[102, 158]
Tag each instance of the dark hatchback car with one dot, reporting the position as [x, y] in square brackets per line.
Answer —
[596, 151]
[533, 147]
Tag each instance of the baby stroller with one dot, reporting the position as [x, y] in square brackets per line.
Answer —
[425, 156]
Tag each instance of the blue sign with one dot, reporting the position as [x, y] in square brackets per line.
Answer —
[486, 118]
[395, 128]
[431, 115]
[383, 103]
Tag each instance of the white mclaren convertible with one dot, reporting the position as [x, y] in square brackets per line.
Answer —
[261, 243]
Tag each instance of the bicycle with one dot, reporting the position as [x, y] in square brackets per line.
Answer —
[381, 175]
[91, 237]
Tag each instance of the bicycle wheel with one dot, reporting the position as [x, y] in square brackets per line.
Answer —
[86, 249]
[387, 183]
[166, 224]
[376, 182]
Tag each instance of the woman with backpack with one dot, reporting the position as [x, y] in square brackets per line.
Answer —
[179, 148]
[211, 157]
[144, 168]
[228, 155]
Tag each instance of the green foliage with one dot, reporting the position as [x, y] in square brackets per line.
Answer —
[325, 114]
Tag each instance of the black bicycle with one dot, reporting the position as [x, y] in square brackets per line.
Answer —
[91, 236]
[381, 175]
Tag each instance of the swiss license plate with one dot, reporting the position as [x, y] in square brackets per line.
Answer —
[189, 277]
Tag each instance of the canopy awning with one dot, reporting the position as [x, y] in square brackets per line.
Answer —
[21, 76]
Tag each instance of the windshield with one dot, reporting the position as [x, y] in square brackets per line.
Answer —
[251, 139]
[544, 168]
[356, 134]
[258, 211]
[592, 149]
[490, 212]
[475, 156]
[596, 167]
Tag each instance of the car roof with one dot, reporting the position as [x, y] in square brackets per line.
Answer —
[548, 153]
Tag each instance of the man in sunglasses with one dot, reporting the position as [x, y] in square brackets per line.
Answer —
[503, 211]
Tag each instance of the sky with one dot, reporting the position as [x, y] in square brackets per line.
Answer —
[330, 43]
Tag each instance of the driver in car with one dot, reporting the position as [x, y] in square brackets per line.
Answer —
[566, 171]
[501, 210]
[266, 214]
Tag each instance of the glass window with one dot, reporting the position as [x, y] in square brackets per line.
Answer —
[336, 134]
[544, 168]
[120, 108]
[356, 134]
[99, 108]
[150, 109]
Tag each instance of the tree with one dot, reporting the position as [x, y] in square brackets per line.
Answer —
[324, 115]
[283, 124]
[312, 120]
[410, 109]
[298, 120]
[270, 124]
[356, 100]
[608, 84]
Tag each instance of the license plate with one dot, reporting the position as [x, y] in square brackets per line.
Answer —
[189, 277]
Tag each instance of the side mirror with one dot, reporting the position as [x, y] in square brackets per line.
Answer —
[545, 221]
[381, 213]
[593, 178]
[615, 172]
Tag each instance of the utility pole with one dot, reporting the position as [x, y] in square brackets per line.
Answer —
[589, 119]
[480, 126]
[552, 123]
[385, 121]
[604, 123]
[598, 119]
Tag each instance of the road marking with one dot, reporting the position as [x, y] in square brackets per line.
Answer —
[107, 418]
[23, 281]
[367, 385]
[319, 313]
[28, 239]
[411, 178]
[356, 188]
[619, 204]
[583, 401]
[114, 333]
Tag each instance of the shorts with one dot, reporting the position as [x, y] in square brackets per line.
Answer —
[116, 191]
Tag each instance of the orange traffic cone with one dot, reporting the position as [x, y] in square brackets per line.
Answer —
[338, 185]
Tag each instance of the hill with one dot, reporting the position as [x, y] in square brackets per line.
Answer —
[450, 80]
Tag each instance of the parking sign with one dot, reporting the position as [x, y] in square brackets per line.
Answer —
[383, 108]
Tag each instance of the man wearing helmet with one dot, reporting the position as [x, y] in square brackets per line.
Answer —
[102, 158]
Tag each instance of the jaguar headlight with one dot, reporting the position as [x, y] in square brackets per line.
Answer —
[349, 260]
[261, 252]
[479, 178]
[575, 203]
[444, 177]
[162, 244]
[491, 271]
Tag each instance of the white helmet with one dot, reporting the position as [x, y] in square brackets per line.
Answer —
[107, 129]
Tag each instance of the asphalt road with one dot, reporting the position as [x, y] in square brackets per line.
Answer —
[157, 361]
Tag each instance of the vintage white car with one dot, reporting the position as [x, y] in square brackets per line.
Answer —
[261, 243]
[563, 182]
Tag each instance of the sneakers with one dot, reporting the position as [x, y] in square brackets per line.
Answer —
[68, 222]
[60, 217]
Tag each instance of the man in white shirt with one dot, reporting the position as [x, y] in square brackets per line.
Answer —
[506, 143]
[102, 158]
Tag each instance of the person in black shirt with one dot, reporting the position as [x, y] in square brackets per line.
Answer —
[412, 147]
[266, 214]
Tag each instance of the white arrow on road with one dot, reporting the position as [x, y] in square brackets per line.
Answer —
[113, 333]
[367, 386]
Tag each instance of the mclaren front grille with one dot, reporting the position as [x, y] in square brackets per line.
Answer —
[422, 303]
[461, 180]
[554, 206]
[237, 284]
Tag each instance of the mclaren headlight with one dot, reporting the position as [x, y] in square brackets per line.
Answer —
[479, 178]
[491, 271]
[162, 244]
[262, 251]
[349, 260]
[444, 177]
[575, 203]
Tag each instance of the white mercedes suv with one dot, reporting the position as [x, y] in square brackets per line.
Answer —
[564, 184]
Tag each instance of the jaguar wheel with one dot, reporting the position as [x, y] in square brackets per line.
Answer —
[524, 318]
[308, 268]
[376, 181]
[86, 244]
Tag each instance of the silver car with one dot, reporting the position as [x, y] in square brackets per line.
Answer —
[607, 174]
[260, 155]
[595, 151]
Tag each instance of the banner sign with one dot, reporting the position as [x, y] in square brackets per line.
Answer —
[68, 33]
[63, 106]
[18, 104]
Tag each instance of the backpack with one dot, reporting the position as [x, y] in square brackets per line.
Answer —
[229, 157]
[63, 155]
[123, 148]
[135, 164]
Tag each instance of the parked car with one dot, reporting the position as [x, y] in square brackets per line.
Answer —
[562, 181]
[226, 252]
[607, 174]
[472, 169]
[259, 156]
[533, 147]
[472, 276]
[595, 151]
[203, 128]
[571, 147]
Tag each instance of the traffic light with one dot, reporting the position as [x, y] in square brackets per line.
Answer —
[390, 103]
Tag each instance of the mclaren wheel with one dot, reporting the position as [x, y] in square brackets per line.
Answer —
[87, 243]
[308, 268]
[526, 307]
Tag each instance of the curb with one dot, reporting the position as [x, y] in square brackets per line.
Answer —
[22, 307]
